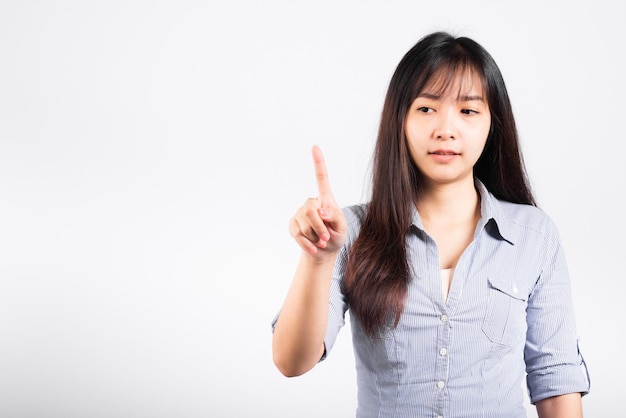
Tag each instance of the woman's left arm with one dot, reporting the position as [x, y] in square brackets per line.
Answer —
[554, 364]
[563, 406]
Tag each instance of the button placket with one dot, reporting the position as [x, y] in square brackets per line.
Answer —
[444, 338]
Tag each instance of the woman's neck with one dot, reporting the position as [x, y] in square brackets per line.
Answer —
[449, 203]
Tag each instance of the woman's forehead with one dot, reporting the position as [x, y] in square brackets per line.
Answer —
[454, 82]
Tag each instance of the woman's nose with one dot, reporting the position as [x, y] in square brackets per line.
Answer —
[446, 128]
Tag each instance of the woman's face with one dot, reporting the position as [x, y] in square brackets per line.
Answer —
[447, 128]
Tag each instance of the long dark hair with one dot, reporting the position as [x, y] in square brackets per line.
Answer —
[377, 273]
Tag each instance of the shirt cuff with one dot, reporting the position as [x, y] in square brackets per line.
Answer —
[558, 380]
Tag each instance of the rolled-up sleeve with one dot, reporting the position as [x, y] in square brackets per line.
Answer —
[554, 363]
[337, 305]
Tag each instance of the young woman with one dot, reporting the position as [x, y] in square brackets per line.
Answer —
[456, 282]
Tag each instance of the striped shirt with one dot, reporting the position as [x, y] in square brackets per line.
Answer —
[509, 313]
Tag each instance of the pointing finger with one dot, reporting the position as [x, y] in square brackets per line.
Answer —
[321, 174]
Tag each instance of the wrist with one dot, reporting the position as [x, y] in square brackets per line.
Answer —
[322, 258]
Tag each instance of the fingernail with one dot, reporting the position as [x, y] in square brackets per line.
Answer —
[323, 212]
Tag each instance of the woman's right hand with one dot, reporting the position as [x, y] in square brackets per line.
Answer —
[319, 226]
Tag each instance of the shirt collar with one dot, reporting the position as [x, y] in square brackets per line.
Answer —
[491, 210]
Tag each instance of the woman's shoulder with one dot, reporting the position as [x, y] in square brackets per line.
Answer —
[356, 212]
[354, 217]
[526, 217]
[512, 215]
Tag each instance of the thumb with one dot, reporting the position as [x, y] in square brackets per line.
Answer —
[334, 218]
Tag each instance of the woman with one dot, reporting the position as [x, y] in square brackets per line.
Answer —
[456, 282]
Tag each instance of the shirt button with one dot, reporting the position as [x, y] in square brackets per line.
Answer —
[444, 318]
[443, 351]
[440, 385]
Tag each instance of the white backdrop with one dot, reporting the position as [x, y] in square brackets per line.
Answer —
[152, 152]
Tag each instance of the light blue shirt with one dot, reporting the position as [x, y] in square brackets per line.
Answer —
[509, 313]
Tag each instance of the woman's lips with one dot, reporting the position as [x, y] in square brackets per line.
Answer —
[443, 156]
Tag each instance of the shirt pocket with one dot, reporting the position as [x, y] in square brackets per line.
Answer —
[384, 351]
[505, 317]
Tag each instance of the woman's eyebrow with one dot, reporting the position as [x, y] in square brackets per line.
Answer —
[460, 98]
[470, 98]
[427, 95]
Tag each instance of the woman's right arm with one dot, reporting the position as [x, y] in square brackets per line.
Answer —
[319, 228]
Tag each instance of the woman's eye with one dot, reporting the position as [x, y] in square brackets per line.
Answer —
[424, 109]
[469, 112]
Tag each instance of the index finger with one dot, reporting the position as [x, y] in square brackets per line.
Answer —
[321, 175]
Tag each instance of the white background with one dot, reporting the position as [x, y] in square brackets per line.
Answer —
[152, 152]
